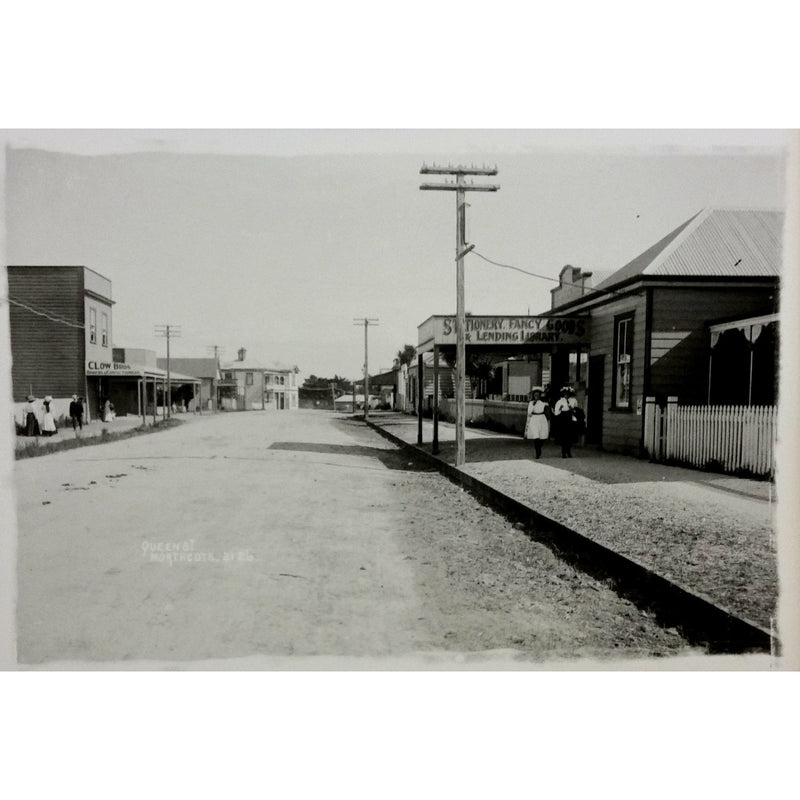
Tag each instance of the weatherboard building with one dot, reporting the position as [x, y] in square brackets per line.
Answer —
[61, 330]
[693, 320]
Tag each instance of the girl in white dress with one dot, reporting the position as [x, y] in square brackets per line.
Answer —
[537, 426]
[48, 420]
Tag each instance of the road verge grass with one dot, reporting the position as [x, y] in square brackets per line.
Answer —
[39, 448]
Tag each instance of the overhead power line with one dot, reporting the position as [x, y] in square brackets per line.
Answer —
[518, 269]
[48, 315]
[589, 289]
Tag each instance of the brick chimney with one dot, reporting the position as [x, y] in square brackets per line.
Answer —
[573, 283]
[242, 353]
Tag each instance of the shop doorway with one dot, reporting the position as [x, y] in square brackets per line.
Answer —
[594, 410]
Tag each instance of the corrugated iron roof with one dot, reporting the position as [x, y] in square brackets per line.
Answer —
[726, 243]
[718, 242]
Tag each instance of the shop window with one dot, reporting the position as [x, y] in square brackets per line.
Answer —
[104, 330]
[578, 373]
[93, 326]
[623, 361]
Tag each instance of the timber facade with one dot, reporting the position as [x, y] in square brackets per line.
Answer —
[651, 322]
[60, 320]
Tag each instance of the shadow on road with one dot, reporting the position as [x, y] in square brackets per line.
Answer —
[391, 459]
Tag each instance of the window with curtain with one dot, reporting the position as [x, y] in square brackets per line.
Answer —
[623, 358]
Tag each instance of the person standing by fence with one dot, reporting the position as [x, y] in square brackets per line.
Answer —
[537, 426]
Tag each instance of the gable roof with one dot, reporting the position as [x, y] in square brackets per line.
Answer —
[384, 378]
[733, 243]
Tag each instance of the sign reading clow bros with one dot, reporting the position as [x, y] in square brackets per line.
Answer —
[508, 330]
[110, 368]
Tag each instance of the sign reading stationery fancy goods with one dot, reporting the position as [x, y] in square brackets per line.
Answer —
[507, 330]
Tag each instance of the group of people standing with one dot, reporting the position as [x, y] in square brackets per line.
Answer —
[30, 419]
[566, 418]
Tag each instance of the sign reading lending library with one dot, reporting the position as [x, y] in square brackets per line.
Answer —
[496, 330]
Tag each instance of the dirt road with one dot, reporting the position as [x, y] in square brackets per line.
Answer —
[289, 534]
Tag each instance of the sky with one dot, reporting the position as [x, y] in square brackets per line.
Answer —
[278, 240]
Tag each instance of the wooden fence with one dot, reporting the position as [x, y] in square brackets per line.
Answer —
[511, 416]
[730, 438]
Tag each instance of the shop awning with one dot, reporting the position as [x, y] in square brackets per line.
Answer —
[117, 369]
[751, 327]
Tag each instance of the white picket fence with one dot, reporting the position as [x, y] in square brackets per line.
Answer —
[733, 438]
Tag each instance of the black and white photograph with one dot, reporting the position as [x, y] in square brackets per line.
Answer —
[399, 400]
[369, 399]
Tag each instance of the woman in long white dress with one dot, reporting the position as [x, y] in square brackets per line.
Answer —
[537, 425]
[48, 420]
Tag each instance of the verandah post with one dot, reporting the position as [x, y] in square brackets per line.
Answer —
[649, 427]
[420, 391]
[435, 449]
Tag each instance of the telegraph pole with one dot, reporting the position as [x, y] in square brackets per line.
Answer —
[216, 350]
[459, 187]
[168, 331]
[366, 321]
[215, 400]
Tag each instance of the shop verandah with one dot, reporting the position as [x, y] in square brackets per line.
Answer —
[505, 357]
[147, 392]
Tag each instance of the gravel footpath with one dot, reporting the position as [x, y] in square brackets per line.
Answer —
[720, 545]
[713, 535]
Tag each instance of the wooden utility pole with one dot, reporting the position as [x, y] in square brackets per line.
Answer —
[169, 331]
[366, 321]
[459, 187]
[214, 388]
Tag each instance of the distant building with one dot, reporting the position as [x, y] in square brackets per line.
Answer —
[249, 384]
[345, 402]
[514, 378]
[142, 389]
[205, 369]
[412, 383]
[385, 386]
